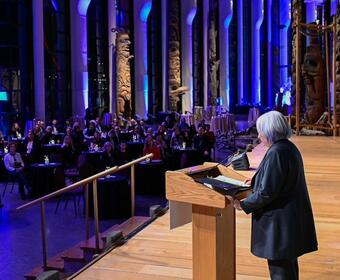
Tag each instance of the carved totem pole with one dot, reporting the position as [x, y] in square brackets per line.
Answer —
[175, 88]
[123, 58]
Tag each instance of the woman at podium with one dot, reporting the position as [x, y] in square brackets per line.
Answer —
[282, 219]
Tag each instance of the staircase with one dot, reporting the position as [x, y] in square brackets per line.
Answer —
[72, 259]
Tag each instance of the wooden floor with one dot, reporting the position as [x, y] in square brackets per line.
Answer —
[158, 253]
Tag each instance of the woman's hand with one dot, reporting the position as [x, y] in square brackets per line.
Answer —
[235, 203]
[247, 181]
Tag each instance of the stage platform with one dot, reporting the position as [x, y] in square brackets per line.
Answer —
[163, 254]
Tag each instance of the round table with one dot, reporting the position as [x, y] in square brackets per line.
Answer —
[223, 123]
[184, 157]
[253, 115]
[135, 149]
[150, 178]
[114, 197]
[93, 157]
[46, 178]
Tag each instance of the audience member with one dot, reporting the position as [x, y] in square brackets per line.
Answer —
[151, 147]
[110, 156]
[15, 167]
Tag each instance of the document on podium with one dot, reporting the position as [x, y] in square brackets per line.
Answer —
[224, 185]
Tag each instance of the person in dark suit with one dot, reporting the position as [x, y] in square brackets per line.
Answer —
[282, 219]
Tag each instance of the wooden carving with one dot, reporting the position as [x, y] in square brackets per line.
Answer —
[175, 88]
[214, 63]
[338, 62]
[296, 12]
[123, 58]
[313, 76]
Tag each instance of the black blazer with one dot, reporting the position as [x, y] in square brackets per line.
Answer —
[282, 220]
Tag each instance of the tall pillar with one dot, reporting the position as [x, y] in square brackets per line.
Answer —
[205, 51]
[225, 16]
[270, 94]
[111, 9]
[165, 83]
[38, 57]
[141, 10]
[79, 73]
[188, 13]
[256, 22]
[285, 19]
[240, 95]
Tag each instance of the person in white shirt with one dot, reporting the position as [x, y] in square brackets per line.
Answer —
[15, 167]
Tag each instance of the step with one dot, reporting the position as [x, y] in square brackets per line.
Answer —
[90, 244]
[126, 227]
[55, 263]
[74, 254]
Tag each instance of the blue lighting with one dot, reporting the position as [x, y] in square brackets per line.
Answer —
[83, 6]
[55, 5]
[191, 16]
[86, 89]
[3, 96]
[146, 92]
[144, 12]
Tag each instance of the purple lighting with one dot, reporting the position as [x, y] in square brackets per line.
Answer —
[83, 6]
[145, 10]
[191, 15]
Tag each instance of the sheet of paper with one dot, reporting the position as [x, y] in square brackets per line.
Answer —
[231, 181]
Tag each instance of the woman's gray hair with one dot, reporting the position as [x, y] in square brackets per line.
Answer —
[273, 126]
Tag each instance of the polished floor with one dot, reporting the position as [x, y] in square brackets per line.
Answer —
[20, 232]
[158, 253]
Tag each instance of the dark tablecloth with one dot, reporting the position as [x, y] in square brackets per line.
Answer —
[114, 198]
[46, 178]
[150, 178]
[135, 149]
[93, 158]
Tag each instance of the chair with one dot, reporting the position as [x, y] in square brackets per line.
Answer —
[10, 180]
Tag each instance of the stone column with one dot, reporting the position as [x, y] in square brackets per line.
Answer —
[38, 58]
[188, 12]
[111, 9]
[205, 51]
[285, 19]
[240, 94]
[165, 75]
[256, 22]
[225, 16]
[79, 72]
[141, 10]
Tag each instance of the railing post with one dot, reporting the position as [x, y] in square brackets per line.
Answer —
[132, 190]
[43, 233]
[95, 212]
[87, 223]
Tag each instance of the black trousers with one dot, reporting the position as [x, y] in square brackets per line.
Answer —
[283, 269]
[21, 179]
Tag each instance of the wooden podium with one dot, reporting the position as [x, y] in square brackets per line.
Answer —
[213, 220]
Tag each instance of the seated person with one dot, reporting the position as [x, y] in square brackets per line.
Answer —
[110, 157]
[114, 135]
[176, 139]
[97, 140]
[48, 137]
[69, 153]
[55, 128]
[78, 137]
[15, 167]
[32, 146]
[201, 143]
[210, 136]
[123, 153]
[183, 124]
[89, 132]
[168, 123]
[137, 134]
[151, 147]
[15, 132]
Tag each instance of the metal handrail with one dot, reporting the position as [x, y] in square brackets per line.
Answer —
[85, 183]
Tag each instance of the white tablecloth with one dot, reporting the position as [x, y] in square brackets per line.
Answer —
[223, 123]
[253, 115]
